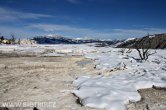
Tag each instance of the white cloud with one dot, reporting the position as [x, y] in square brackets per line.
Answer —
[20, 32]
[56, 27]
[13, 15]
[124, 33]
[71, 31]
[113, 33]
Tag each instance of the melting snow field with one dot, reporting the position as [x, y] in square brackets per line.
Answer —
[47, 50]
[115, 91]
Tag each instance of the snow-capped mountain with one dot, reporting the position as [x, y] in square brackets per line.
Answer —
[58, 39]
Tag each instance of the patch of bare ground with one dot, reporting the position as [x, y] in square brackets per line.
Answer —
[42, 79]
[152, 99]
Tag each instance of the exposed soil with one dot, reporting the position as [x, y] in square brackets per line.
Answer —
[42, 79]
[152, 99]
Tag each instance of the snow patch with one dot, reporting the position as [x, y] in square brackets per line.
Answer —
[115, 91]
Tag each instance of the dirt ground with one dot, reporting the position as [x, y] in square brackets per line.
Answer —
[42, 79]
[49, 79]
[152, 99]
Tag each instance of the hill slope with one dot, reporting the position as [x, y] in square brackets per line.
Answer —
[157, 41]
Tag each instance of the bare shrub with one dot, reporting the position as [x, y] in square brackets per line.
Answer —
[122, 51]
[129, 50]
[143, 47]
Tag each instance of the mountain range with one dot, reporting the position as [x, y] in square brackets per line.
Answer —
[156, 41]
[57, 39]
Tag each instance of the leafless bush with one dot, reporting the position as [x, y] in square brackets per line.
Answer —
[129, 50]
[122, 51]
[143, 47]
[13, 38]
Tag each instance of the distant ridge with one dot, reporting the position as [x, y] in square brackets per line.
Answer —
[157, 41]
[57, 39]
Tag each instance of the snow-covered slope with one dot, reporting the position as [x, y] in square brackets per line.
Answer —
[127, 76]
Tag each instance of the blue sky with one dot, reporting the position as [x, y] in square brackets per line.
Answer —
[105, 19]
